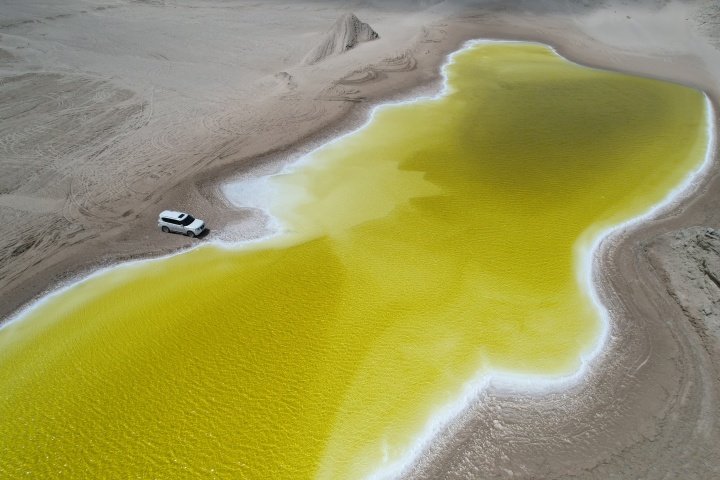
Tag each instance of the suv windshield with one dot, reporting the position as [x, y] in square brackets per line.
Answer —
[187, 220]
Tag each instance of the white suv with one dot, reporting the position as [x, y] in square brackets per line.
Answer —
[180, 222]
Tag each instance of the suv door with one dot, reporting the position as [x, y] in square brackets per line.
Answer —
[173, 225]
[178, 226]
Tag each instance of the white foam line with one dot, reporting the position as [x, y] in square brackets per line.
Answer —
[473, 388]
[586, 259]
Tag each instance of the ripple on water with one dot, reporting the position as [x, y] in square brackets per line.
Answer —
[431, 245]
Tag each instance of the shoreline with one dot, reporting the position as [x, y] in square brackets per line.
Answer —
[210, 179]
[586, 266]
[606, 245]
[207, 181]
[601, 264]
[527, 385]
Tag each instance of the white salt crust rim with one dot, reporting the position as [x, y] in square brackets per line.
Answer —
[587, 253]
[586, 259]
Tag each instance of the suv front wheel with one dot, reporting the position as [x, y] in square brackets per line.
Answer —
[190, 234]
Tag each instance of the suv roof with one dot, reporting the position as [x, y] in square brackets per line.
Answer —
[174, 215]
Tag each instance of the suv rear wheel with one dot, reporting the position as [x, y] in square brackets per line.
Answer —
[165, 229]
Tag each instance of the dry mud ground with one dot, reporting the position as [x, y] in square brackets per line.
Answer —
[112, 111]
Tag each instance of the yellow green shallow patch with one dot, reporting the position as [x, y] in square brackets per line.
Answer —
[432, 245]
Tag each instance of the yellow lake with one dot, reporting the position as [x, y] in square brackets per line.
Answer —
[433, 245]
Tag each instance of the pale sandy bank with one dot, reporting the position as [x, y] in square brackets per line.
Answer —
[114, 111]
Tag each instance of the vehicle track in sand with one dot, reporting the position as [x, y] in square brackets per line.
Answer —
[100, 144]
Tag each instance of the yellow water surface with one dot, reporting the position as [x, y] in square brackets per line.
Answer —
[434, 244]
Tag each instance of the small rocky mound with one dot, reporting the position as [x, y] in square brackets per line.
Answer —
[347, 32]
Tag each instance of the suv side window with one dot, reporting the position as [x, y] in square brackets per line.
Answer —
[170, 220]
